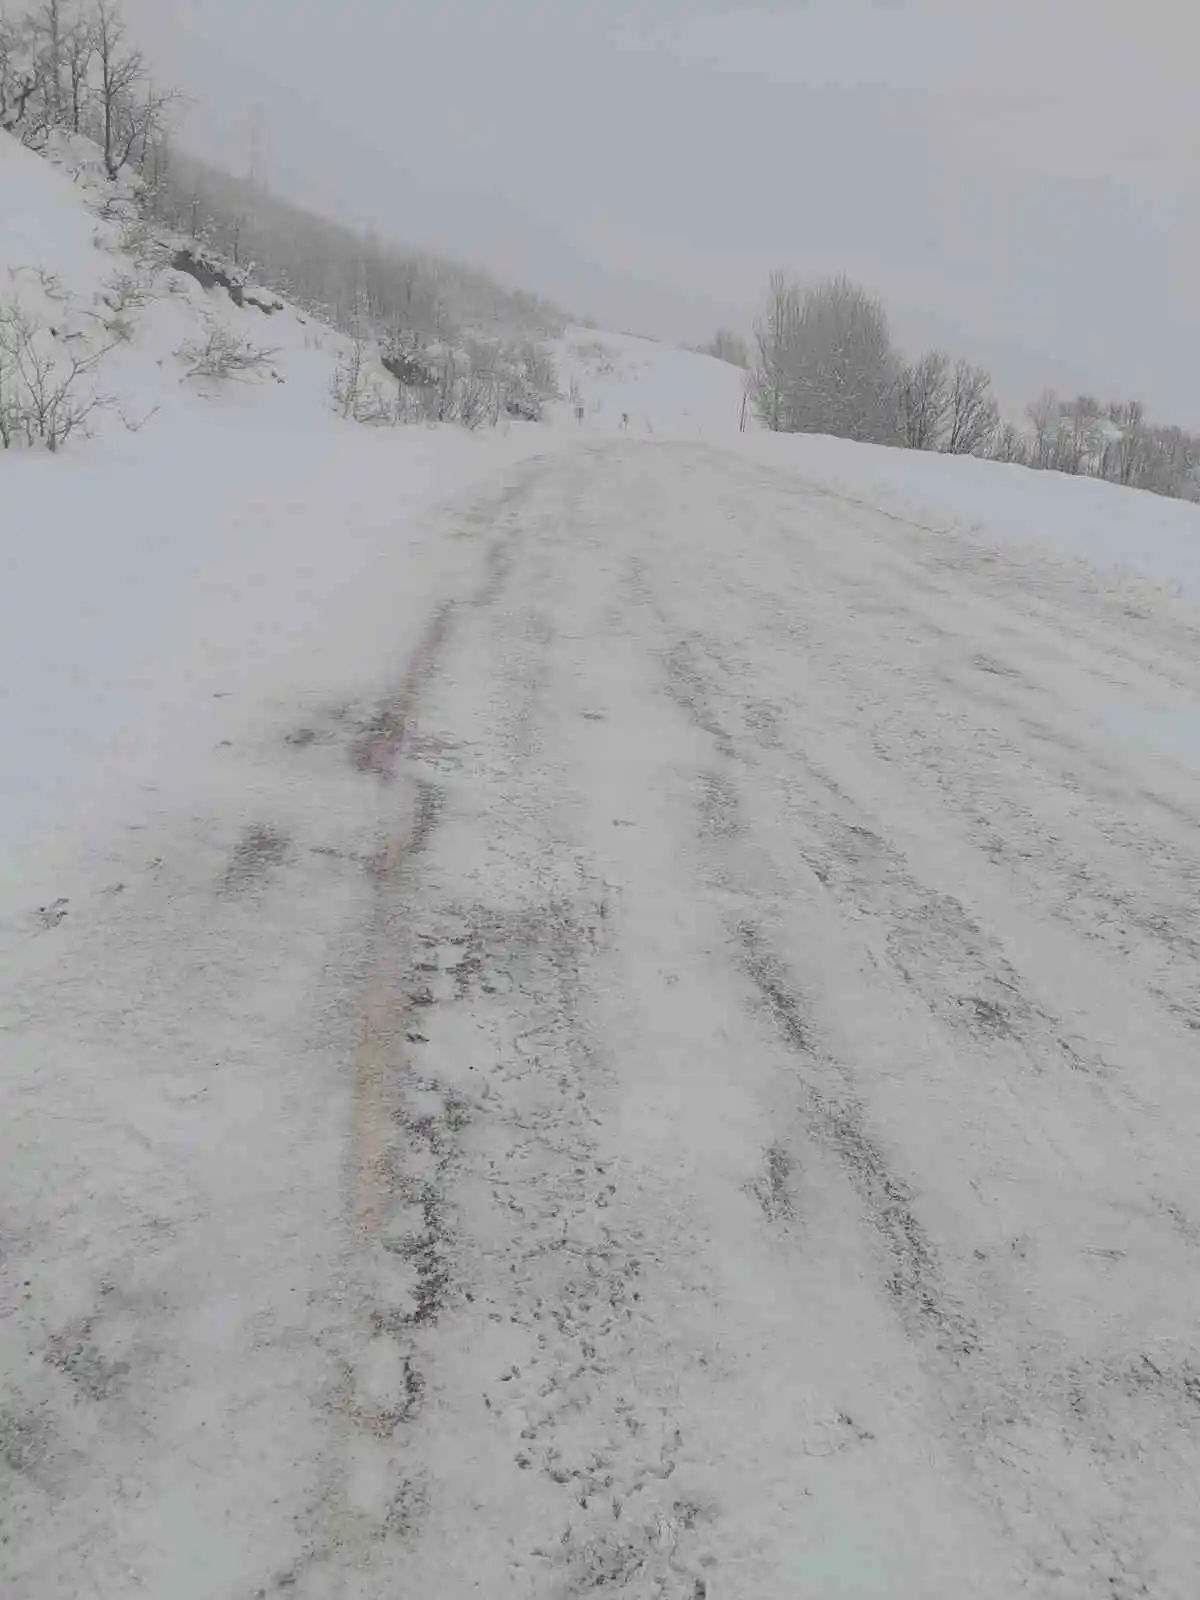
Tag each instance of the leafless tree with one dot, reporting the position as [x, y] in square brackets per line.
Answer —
[1044, 415]
[1011, 445]
[79, 50]
[973, 414]
[1081, 436]
[45, 61]
[131, 110]
[726, 345]
[924, 399]
[775, 333]
[1171, 464]
[50, 22]
[841, 371]
[19, 79]
[1125, 452]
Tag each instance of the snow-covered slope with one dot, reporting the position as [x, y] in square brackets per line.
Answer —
[659, 389]
[211, 544]
[1119, 533]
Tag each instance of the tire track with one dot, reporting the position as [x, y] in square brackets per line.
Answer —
[1081, 1414]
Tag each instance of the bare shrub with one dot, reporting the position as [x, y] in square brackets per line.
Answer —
[532, 382]
[139, 238]
[125, 294]
[222, 354]
[44, 393]
[125, 291]
[357, 392]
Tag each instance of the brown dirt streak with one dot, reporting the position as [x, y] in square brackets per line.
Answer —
[381, 745]
[380, 1049]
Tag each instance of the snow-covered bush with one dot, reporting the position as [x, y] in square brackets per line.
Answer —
[221, 353]
[360, 393]
[472, 385]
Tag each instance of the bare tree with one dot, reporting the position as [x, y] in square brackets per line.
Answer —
[1044, 414]
[19, 79]
[924, 401]
[79, 49]
[56, 23]
[841, 372]
[50, 22]
[974, 415]
[45, 58]
[131, 110]
[1124, 454]
[726, 345]
[1081, 436]
[1113, 441]
[775, 333]
[1010, 444]
[1171, 463]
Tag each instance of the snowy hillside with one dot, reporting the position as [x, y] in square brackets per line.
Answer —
[205, 544]
[660, 389]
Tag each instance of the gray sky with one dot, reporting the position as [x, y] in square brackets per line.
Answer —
[1019, 179]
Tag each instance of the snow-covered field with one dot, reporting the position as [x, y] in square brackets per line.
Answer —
[584, 1011]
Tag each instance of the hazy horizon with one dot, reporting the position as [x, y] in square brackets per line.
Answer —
[1015, 185]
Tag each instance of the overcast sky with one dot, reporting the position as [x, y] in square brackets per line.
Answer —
[1017, 178]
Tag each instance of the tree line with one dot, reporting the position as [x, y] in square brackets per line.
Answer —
[823, 361]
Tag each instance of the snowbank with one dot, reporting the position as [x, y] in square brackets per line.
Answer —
[1123, 532]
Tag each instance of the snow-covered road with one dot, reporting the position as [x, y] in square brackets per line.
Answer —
[736, 1139]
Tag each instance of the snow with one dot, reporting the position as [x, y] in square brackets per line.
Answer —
[1124, 533]
[185, 603]
[154, 581]
[583, 1010]
[1119, 533]
[44, 223]
[662, 391]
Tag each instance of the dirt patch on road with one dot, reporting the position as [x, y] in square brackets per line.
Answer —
[257, 856]
[773, 1187]
[379, 746]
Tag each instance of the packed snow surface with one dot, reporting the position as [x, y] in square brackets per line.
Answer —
[594, 1009]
